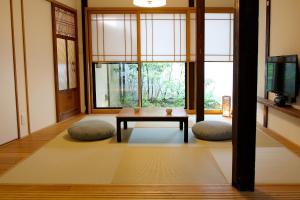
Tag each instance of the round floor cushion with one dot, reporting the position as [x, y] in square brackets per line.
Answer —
[90, 130]
[212, 130]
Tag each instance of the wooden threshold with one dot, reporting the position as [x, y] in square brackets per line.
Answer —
[33, 192]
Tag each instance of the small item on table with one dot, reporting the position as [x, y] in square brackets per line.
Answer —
[136, 109]
[169, 111]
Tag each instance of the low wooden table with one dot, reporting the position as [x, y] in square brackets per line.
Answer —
[152, 114]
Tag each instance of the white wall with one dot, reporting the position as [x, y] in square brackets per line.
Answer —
[40, 66]
[20, 66]
[39, 63]
[8, 117]
[285, 39]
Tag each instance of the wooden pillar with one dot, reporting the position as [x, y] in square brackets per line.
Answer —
[191, 3]
[268, 28]
[200, 12]
[84, 5]
[245, 94]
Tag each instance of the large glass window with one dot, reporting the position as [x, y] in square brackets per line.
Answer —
[218, 83]
[160, 52]
[163, 84]
[115, 85]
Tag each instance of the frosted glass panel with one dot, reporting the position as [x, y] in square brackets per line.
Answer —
[218, 37]
[193, 37]
[62, 64]
[163, 37]
[114, 37]
[72, 64]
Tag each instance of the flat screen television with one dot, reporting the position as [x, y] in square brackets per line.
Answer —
[282, 78]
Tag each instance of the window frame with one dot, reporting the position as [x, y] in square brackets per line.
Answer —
[138, 11]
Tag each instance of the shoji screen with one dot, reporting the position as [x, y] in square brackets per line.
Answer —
[218, 37]
[8, 115]
[163, 37]
[114, 37]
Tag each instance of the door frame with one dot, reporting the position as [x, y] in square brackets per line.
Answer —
[55, 37]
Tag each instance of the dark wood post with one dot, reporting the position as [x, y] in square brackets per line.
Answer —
[200, 13]
[84, 5]
[245, 94]
[191, 3]
[268, 28]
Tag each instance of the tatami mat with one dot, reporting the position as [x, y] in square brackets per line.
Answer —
[168, 165]
[148, 156]
[273, 165]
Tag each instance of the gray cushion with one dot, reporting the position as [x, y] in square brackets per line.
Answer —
[90, 130]
[212, 130]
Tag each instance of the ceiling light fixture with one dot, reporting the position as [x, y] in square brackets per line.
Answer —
[149, 3]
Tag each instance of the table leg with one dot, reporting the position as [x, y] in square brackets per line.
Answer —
[181, 125]
[125, 124]
[186, 126]
[118, 130]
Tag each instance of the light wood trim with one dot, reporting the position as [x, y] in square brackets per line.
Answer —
[106, 111]
[188, 57]
[218, 191]
[160, 10]
[288, 110]
[139, 54]
[90, 62]
[25, 67]
[287, 143]
[207, 112]
[62, 5]
[15, 67]
[219, 9]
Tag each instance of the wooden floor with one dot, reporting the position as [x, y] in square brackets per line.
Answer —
[14, 152]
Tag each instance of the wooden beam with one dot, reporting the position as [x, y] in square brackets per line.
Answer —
[245, 94]
[268, 28]
[200, 12]
[191, 3]
[84, 5]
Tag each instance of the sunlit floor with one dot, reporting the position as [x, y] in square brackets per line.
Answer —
[150, 153]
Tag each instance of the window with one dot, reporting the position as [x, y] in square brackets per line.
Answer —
[149, 69]
[66, 49]
[114, 37]
[218, 57]
[163, 37]
[218, 83]
[163, 84]
[115, 85]
[218, 37]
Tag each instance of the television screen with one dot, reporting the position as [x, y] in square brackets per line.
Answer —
[282, 76]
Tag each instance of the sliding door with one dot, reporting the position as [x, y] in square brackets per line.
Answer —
[138, 59]
[66, 62]
[218, 57]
